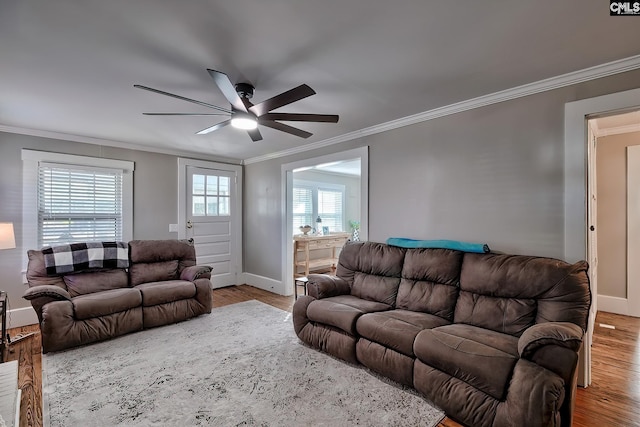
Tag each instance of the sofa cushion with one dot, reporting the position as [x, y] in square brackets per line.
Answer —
[506, 315]
[430, 279]
[96, 281]
[37, 272]
[153, 272]
[561, 290]
[152, 251]
[372, 270]
[375, 288]
[396, 329]
[342, 311]
[155, 293]
[104, 303]
[481, 358]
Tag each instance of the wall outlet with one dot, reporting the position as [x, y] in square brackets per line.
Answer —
[173, 228]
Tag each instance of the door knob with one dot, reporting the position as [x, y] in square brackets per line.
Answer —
[189, 224]
[190, 241]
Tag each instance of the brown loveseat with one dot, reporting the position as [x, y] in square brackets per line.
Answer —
[491, 339]
[161, 285]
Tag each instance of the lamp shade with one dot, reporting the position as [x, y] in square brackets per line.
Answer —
[7, 238]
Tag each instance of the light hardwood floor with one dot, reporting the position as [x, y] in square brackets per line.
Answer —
[613, 399]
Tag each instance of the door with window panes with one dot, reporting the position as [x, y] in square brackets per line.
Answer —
[210, 221]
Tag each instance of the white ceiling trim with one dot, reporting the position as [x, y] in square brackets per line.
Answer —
[575, 77]
[617, 130]
[111, 143]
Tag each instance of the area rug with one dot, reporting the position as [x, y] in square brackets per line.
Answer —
[242, 365]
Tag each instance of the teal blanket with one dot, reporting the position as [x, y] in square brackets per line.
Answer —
[442, 244]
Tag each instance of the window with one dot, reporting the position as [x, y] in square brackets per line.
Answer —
[314, 199]
[77, 204]
[302, 208]
[211, 195]
[75, 198]
[330, 208]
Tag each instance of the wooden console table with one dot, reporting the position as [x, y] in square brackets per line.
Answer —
[304, 248]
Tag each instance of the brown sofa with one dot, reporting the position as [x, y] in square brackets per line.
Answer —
[162, 285]
[491, 339]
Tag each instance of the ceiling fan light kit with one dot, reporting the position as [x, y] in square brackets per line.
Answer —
[246, 115]
[243, 121]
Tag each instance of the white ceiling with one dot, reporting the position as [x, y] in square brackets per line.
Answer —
[69, 67]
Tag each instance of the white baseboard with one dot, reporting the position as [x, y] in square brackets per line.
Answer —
[21, 317]
[613, 305]
[261, 282]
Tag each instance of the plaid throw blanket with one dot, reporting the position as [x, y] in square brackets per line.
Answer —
[85, 256]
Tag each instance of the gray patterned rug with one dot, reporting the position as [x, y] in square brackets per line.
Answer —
[242, 365]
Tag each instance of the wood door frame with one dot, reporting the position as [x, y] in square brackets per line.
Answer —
[237, 207]
[287, 201]
[576, 168]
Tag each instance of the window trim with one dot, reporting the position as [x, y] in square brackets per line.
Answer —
[31, 160]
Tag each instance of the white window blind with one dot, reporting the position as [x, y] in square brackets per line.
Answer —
[77, 203]
[315, 199]
[302, 208]
[330, 209]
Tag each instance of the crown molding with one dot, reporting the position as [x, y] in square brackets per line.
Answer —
[115, 144]
[575, 77]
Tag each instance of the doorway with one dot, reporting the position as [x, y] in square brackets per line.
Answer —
[332, 188]
[576, 191]
[615, 168]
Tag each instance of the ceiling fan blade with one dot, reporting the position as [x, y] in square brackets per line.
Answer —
[293, 117]
[204, 104]
[214, 127]
[228, 89]
[293, 95]
[185, 114]
[285, 128]
[255, 135]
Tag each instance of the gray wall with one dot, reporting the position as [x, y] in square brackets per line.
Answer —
[155, 196]
[493, 174]
[611, 175]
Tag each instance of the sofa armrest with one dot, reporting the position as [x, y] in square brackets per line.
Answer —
[554, 346]
[325, 286]
[563, 334]
[55, 293]
[196, 272]
[44, 294]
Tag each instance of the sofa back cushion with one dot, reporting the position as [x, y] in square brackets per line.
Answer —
[37, 271]
[78, 283]
[430, 281]
[159, 260]
[95, 281]
[509, 293]
[373, 270]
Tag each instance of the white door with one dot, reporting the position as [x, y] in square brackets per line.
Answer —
[592, 236]
[633, 229]
[210, 221]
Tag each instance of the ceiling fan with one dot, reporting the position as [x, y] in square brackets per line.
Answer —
[246, 115]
